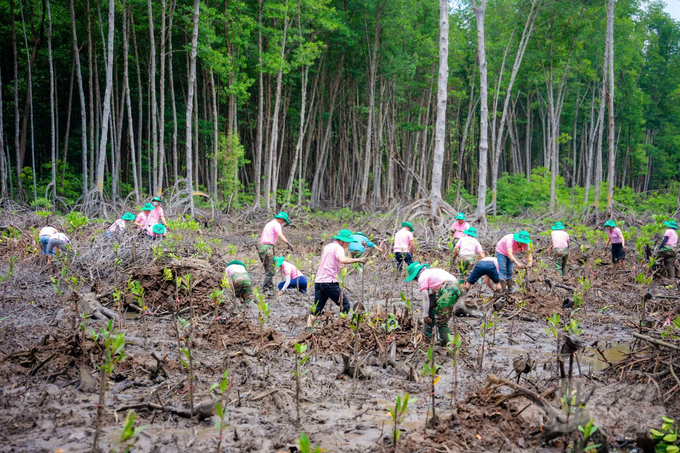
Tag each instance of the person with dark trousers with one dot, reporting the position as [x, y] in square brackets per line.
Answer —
[404, 247]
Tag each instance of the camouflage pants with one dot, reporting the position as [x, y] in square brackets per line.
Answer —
[441, 309]
[467, 262]
[266, 254]
[668, 254]
[242, 286]
[561, 256]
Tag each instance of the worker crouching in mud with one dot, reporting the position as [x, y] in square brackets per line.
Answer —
[667, 249]
[238, 278]
[440, 291]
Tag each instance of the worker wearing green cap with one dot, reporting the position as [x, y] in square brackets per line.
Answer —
[506, 251]
[326, 285]
[618, 243]
[404, 246]
[440, 291]
[560, 242]
[469, 248]
[156, 216]
[458, 228]
[667, 249]
[142, 219]
[270, 234]
[119, 225]
[357, 248]
[239, 280]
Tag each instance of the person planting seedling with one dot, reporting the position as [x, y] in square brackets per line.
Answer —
[358, 247]
[487, 268]
[157, 215]
[44, 237]
[458, 228]
[468, 247]
[56, 245]
[157, 232]
[239, 280]
[506, 251]
[270, 234]
[119, 225]
[560, 241]
[142, 219]
[667, 249]
[404, 247]
[293, 276]
[618, 243]
[440, 291]
[326, 284]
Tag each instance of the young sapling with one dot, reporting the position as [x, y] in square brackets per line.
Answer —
[398, 413]
[300, 360]
[431, 369]
[222, 400]
[129, 433]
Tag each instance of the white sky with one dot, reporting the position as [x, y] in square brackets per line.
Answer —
[673, 8]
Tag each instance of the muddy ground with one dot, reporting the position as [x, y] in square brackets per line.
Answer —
[50, 369]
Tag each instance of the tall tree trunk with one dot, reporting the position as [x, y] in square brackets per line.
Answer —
[175, 168]
[611, 176]
[3, 164]
[260, 113]
[126, 87]
[440, 127]
[107, 103]
[213, 91]
[191, 81]
[17, 116]
[479, 11]
[373, 65]
[90, 87]
[31, 61]
[600, 130]
[83, 111]
[161, 115]
[274, 134]
[153, 184]
[140, 103]
[53, 143]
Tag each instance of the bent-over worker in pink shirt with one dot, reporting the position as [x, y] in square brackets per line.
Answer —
[560, 242]
[667, 249]
[404, 246]
[468, 247]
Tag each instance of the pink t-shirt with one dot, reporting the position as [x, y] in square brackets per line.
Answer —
[469, 246]
[142, 219]
[672, 237]
[402, 240]
[235, 269]
[458, 229]
[270, 233]
[560, 239]
[289, 270]
[118, 225]
[329, 267]
[47, 231]
[433, 279]
[493, 259]
[155, 216]
[61, 237]
[508, 243]
[615, 235]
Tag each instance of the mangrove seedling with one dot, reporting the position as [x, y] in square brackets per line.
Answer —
[431, 369]
[264, 311]
[582, 442]
[186, 280]
[553, 330]
[300, 360]
[129, 434]
[222, 400]
[189, 365]
[118, 299]
[667, 436]
[306, 446]
[137, 291]
[217, 296]
[114, 352]
[453, 346]
[573, 327]
[355, 319]
[398, 413]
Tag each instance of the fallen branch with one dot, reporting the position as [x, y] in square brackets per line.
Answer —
[656, 342]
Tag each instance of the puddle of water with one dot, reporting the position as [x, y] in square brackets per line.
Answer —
[613, 355]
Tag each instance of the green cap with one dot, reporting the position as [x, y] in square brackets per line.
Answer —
[472, 231]
[413, 270]
[557, 226]
[235, 262]
[148, 207]
[610, 223]
[460, 216]
[282, 215]
[158, 199]
[344, 236]
[278, 260]
[522, 237]
[672, 224]
[158, 228]
[128, 216]
[407, 224]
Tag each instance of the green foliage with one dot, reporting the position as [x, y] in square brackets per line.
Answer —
[183, 223]
[553, 325]
[306, 446]
[667, 436]
[573, 327]
[75, 220]
[129, 433]
[398, 413]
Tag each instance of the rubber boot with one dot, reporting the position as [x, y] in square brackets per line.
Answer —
[564, 265]
[443, 335]
[504, 285]
[427, 330]
[511, 285]
[670, 267]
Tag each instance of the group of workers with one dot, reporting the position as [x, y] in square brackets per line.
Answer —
[150, 222]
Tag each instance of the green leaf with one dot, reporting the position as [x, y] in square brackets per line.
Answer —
[184, 363]
[218, 409]
[656, 433]
[670, 437]
[672, 449]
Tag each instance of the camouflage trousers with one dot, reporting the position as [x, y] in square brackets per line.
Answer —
[467, 262]
[242, 286]
[441, 309]
[266, 254]
[561, 256]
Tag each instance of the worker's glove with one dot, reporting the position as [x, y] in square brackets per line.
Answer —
[428, 321]
[290, 246]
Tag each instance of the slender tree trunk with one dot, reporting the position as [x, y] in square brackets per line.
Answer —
[153, 184]
[31, 61]
[161, 114]
[191, 81]
[611, 176]
[140, 104]
[107, 103]
[373, 65]
[83, 111]
[440, 127]
[175, 168]
[260, 113]
[53, 143]
[3, 164]
[484, 115]
[213, 91]
[17, 116]
[528, 139]
[126, 83]
[600, 130]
